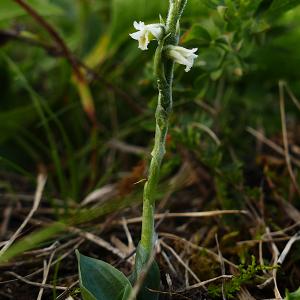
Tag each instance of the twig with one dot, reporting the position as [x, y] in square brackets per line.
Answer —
[202, 214]
[292, 96]
[97, 240]
[48, 286]
[47, 269]
[55, 35]
[55, 51]
[222, 265]
[173, 295]
[186, 276]
[190, 244]
[284, 137]
[43, 251]
[275, 254]
[181, 261]
[244, 294]
[76, 241]
[210, 109]
[204, 283]
[166, 258]
[67, 291]
[127, 148]
[6, 217]
[88, 104]
[288, 247]
[271, 144]
[283, 231]
[41, 181]
[128, 235]
[100, 195]
[169, 283]
[208, 131]
[16, 35]
[263, 240]
[291, 211]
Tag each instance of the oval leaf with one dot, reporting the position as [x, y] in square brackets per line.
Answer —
[101, 281]
[152, 280]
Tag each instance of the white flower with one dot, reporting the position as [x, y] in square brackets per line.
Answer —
[182, 55]
[146, 33]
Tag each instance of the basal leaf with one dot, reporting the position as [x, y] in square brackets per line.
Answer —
[152, 280]
[101, 281]
[86, 295]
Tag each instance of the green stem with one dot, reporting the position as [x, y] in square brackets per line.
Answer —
[164, 73]
[163, 110]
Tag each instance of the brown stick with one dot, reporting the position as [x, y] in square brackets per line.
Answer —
[6, 35]
[55, 35]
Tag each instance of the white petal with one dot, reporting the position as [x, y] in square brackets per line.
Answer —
[183, 56]
[180, 59]
[139, 26]
[144, 41]
[156, 30]
[136, 35]
[146, 33]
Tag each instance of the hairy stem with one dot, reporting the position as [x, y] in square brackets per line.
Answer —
[164, 74]
[163, 110]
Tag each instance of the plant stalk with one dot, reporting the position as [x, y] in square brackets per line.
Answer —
[163, 111]
[164, 74]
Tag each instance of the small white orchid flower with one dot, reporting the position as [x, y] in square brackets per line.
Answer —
[182, 55]
[146, 33]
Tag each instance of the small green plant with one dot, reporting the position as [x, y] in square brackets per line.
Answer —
[292, 296]
[246, 275]
[99, 280]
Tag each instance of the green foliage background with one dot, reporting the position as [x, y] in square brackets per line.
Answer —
[245, 48]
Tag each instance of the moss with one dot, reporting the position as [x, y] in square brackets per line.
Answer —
[247, 274]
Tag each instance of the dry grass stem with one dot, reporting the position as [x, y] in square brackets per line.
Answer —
[292, 96]
[272, 145]
[285, 138]
[46, 272]
[208, 131]
[203, 214]
[45, 286]
[222, 264]
[288, 247]
[196, 247]
[6, 217]
[131, 246]
[204, 283]
[179, 259]
[275, 255]
[98, 241]
[41, 181]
